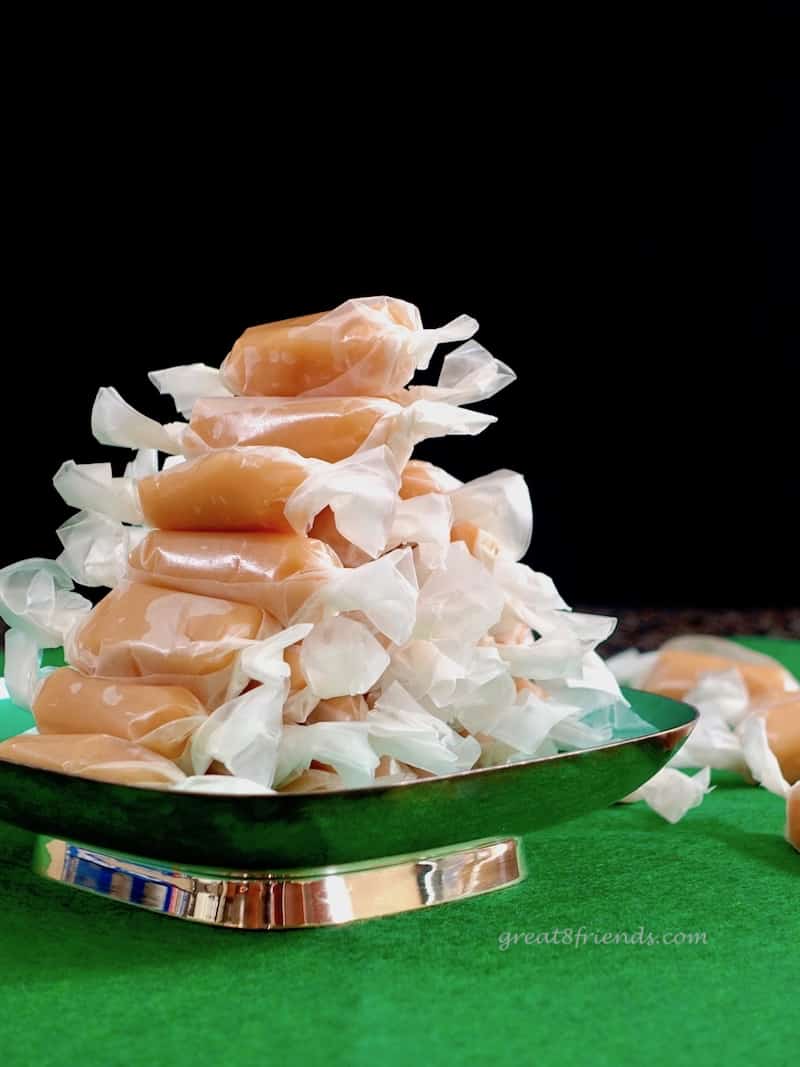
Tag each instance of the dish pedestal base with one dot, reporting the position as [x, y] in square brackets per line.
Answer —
[286, 900]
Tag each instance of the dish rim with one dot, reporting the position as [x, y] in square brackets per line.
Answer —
[691, 717]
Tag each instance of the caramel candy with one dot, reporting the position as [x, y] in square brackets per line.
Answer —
[677, 671]
[340, 709]
[321, 428]
[98, 756]
[782, 718]
[362, 348]
[481, 544]
[277, 573]
[793, 816]
[331, 709]
[297, 679]
[161, 718]
[240, 489]
[313, 780]
[160, 637]
[419, 477]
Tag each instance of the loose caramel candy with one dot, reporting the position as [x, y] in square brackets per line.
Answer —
[242, 489]
[277, 573]
[160, 717]
[419, 478]
[782, 718]
[793, 816]
[328, 428]
[362, 348]
[166, 638]
[98, 756]
[677, 671]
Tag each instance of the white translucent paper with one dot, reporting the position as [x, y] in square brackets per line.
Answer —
[728, 734]
[499, 504]
[760, 758]
[671, 794]
[245, 732]
[399, 427]
[227, 784]
[400, 728]
[340, 657]
[96, 551]
[361, 491]
[364, 347]
[345, 746]
[722, 702]
[469, 374]
[459, 602]
[37, 597]
[21, 668]
[424, 522]
[344, 614]
[96, 548]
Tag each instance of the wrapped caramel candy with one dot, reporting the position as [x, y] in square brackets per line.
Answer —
[492, 515]
[367, 347]
[247, 489]
[291, 578]
[432, 649]
[278, 573]
[325, 428]
[419, 477]
[161, 637]
[160, 718]
[781, 715]
[107, 759]
[340, 709]
[678, 670]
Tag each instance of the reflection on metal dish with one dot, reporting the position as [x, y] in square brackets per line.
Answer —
[287, 860]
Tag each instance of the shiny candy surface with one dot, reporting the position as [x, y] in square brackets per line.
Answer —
[159, 717]
[92, 756]
[278, 573]
[361, 348]
[162, 637]
[226, 490]
[329, 428]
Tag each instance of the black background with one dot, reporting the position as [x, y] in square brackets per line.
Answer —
[626, 233]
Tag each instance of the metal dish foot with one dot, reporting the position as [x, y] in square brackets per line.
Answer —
[286, 900]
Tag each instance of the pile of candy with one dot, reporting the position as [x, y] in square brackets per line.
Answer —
[296, 603]
[749, 721]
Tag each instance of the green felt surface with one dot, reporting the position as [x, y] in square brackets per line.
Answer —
[87, 980]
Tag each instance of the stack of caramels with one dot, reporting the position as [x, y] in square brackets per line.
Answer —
[296, 603]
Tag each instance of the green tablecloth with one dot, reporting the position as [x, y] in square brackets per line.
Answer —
[87, 980]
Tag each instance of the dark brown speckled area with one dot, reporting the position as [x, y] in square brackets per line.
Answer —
[648, 628]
